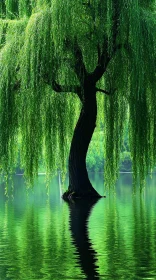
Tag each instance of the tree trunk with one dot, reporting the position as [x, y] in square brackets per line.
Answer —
[79, 183]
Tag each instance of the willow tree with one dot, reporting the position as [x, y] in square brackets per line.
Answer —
[55, 55]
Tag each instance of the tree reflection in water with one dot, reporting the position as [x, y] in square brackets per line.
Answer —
[80, 211]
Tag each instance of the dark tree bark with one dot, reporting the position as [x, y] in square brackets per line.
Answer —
[79, 183]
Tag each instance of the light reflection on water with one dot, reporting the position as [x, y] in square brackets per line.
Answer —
[42, 237]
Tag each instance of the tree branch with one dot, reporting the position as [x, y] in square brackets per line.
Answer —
[56, 87]
[103, 60]
[65, 88]
[79, 66]
[61, 88]
[102, 90]
[106, 92]
[104, 57]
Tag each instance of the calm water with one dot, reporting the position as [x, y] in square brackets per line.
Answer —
[42, 237]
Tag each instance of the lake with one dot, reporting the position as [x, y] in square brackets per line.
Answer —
[43, 237]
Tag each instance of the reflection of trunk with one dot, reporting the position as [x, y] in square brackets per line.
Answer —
[79, 183]
[79, 215]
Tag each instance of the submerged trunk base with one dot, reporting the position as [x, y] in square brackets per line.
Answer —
[71, 195]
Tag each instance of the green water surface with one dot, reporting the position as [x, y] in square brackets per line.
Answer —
[42, 237]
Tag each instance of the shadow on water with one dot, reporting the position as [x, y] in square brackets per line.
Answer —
[80, 211]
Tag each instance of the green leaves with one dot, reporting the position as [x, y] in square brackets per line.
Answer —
[37, 49]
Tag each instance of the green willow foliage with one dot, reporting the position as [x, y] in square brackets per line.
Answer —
[37, 40]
